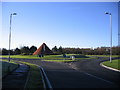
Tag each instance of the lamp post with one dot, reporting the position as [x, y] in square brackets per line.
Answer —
[110, 35]
[10, 33]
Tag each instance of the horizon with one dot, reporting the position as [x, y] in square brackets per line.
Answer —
[62, 47]
[66, 24]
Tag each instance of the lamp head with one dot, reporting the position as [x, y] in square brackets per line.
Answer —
[14, 14]
[106, 13]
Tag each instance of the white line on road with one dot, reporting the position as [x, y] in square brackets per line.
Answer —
[98, 78]
[94, 76]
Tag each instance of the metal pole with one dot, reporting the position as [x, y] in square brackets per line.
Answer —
[110, 37]
[10, 36]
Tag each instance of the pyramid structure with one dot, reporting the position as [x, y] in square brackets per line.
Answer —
[43, 50]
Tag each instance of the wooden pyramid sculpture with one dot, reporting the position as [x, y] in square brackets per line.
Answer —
[43, 50]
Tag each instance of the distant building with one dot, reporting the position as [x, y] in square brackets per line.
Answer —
[43, 50]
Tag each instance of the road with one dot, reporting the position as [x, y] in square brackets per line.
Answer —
[63, 76]
[80, 74]
[93, 67]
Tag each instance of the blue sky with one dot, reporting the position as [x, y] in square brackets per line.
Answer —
[66, 24]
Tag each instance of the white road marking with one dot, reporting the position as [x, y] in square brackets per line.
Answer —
[98, 78]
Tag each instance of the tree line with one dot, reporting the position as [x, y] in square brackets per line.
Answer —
[25, 50]
[87, 51]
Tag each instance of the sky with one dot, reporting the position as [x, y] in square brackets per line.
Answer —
[60, 0]
[66, 24]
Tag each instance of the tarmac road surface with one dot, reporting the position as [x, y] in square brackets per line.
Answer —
[93, 67]
[81, 74]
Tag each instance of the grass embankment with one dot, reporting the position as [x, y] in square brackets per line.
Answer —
[34, 56]
[60, 60]
[104, 55]
[8, 67]
[50, 57]
[34, 79]
[21, 56]
[115, 64]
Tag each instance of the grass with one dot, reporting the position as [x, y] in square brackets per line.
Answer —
[52, 57]
[115, 64]
[34, 79]
[21, 56]
[8, 67]
[104, 55]
[35, 56]
[60, 60]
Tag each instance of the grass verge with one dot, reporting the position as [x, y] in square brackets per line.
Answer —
[60, 60]
[51, 57]
[104, 55]
[115, 64]
[21, 56]
[8, 67]
[34, 79]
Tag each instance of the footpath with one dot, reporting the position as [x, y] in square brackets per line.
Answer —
[16, 79]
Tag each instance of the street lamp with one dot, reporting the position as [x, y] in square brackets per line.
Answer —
[110, 35]
[10, 33]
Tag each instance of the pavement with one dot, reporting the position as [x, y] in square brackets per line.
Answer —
[16, 79]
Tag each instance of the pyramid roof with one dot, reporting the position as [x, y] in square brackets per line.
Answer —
[43, 49]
